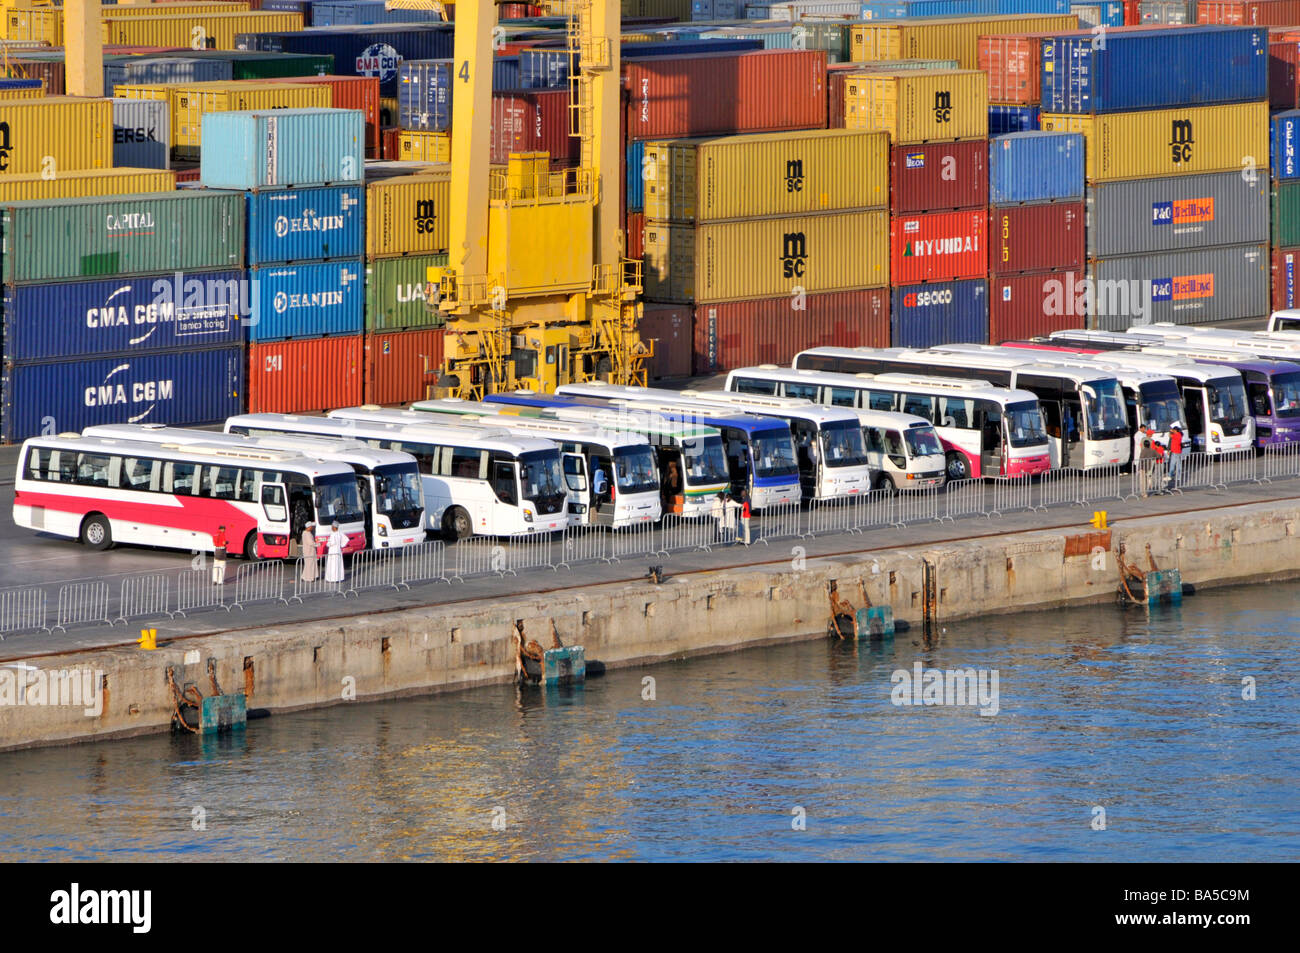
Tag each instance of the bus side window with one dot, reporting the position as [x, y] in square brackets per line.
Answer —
[1259, 405]
[138, 474]
[465, 463]
[248, 484]
[874, 443]
[879, 400]
[33, 467]
[92, 469]
[894, 444]
[748, 385]
[180, 478]
[843, 397]
[802, 391]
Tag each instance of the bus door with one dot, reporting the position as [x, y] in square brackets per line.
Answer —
[1052, 424]
[275, 508]
[1071, 432]
[738, 466]
[1194, 404]
[367, 505]
[805, 444]
[989, 421]
[503, 478]
[577, 487]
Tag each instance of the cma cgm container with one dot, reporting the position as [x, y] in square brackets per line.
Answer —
[141, 133]
[408, 215]
[938, 175]
[305, 224]
[782, 173]
[1284, 147]
[947, 38]
[1026, 306]
[1168, 141]
[67, 239]
[938, 246]
[33, 186]
[181, 388]
[401, 366]
[672, 329]
[288, 377]
[71, 133]
[1036, 167]
[1042, 237]
[307, 300]
[947, 312]
[1285, 294]
[284, 147]
[764, 258]
[395, 293]
[1144, 216]
[919, 106]
[1185, 287]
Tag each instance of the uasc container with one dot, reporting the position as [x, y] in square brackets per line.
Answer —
[1036, 167]
[55, 133]
[307, 300]
[284, 147]
[938, 246]
[396, 293]
[939, 175]
[408, 215]
[916, 107]
[305, 224]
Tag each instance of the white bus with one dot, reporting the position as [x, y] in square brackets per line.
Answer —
[903, 450]
[476, 481]
[106, 490]
[985, 430]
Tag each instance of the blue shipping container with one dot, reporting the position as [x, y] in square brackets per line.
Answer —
[1099, 13]
[543, 69]
[948, 312]
[283, 147]
[306, 224]
[1284, 133]
[1007, 118]
[180, 388]
[308, 300]
[1036, 167]
[424, 90]
[164, 69]
[1154, 69]
[635, 174]
[366, 12]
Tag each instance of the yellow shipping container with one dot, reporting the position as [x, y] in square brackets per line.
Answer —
[782, 173]
[944, 38]
[408, 215]
[767, 257]
[916, 106]
[55, 133]
[418, 145]
[44, 24]
[1169, 141]
[36, 92]
[117, 11]
[197, 31]
[87, 182]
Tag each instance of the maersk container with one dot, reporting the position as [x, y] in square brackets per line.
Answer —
[947, 312]
[145, 70]
[158, 232]
[1284, 135]
[141, 133]
[309, 224]
[1183, 287]
[284, 147]
[1154, 69]
[395, 293]
[1004, 118]
[178, 388]
[126, 315]
[1145, 216]
[307, 300]
[1101, 13]
[1035, 167]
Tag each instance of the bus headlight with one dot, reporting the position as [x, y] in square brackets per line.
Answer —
[1215, 437]
[528, 517]
[383, 530]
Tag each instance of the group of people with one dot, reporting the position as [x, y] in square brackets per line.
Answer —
[334, 544]
[1148, 447]
[726, 508]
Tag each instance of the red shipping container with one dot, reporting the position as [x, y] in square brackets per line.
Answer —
[1036, 238]
[770, 331]
[1132, 15]
[937, 246]
[939, 175]
[670, 327]
[1249, 12]
[314, 374]
[1021, 306]
[402, 366]
[351, 92]
[1012, 63]
[390, 143]
[186, 173]
[1283, 73]
[723, 93]
[534, 120]
[836, 74]
[1286, 278]
[52, 71]
[635, 232]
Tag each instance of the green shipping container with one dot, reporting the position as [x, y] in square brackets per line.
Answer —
[1286, 214]
[152, 233]
[395, 293]
[259, 65]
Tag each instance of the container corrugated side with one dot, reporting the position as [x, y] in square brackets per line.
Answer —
[366, 12]
[1285, 214]
[1026, 306]
[350, 92]
[141, 133]
[671, 328]
[151, 70]
[1252, 12]
[1285, 292]
[946, 312]
[1036, 167]
[920, 106]
[218, 30]
[939, 175]
[51, 71]
[191, 104]
[418, 145]
[1012, 63]
[635, 174]
[944, 38]
[78, 184]
[402, 366]
[1105, 13]
[1284, 144]
[1036, 237]
[790, 173]
[284, 147]
[307, 300]
[311, 224]
[1186, 287]
[395, 293]
[166, 8]
[318, 374]
[67, 239]
[1283, 73]
[408, 215]
[938, 246]
[67, 132]
[1006, 118]
[533, 120]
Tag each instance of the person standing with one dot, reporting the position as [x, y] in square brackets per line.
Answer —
[310, 564]
[745, 514]
[599, 486]
[219, 557]
[672, 488]
[334, 544]
[1145, 451]
[1175, 455]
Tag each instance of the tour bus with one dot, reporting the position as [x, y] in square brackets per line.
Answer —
[1282, 343]
[1286, 321]
[106, 490]
[1083, 409]
[628, 493]
[476, 481]
[984, 430]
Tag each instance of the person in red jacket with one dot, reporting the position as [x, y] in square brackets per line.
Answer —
[219, 556]
[1175, 455]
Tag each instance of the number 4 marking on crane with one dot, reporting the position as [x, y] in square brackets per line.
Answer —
[464, 72]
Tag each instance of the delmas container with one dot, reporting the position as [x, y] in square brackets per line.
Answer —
[305, 224]
[284, 147]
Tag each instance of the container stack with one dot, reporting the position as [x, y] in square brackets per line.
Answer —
[1284, 168]
[1012, 63]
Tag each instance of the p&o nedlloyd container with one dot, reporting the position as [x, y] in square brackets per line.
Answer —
[1187, 287]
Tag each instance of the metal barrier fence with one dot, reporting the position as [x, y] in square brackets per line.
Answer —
[1239, 466]
[876, 509]
[963, 498]
[678, 532]
[372, 569]
[1060, 488]
[195, 590]
[528, 552]
[777, 521]
[1149, 477]
[1010, 493]
[22, 609]
[916, 506]
[81, 603]
[1279, 463]
[581, 544]
[424, 562]
[1193, 471]
[475, 555]
[635, 540]
[143, 596]
[302, 588]
[259, 582]
[833, 516]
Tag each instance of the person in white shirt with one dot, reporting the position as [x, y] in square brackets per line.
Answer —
[334, 544]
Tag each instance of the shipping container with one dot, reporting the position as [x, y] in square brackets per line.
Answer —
[51, 71]
[351, 92]
[390, 138]
[634, 228]
[1283, 73]
[418, 145]
[306, 300]
[1183, 287]
[945, 38]
[125, 315]
[254, 64]
[783, 173]
[915, 107]
[44, 25]
[425, 88]
[21, 88]
[533, 120]
[1168, 141]
[216, 30]
[1172, 12]
[368, 12]
[78, 184]
[771, 331]
[764, 258]
[946, 312]
[167, 8]
[541, 69]
[1004, 119]
[151, 70]
[67, 239]
[311, 224]
[318, 374]
[1026, 306]
[178, 388]
[1145, 216]
[1036, 167]
[635, 197]
[1046, 237]
[141, 134]
[672, 329]
[1284, 133]
[1102, 13]
[408, 215]
[1285, 295]
[1285, 214]
[55, 133]
[285, 147]
[1250, 12]
[938, 246]
[396, 293]
[939, 175]
[402, 366]
[1012, 62]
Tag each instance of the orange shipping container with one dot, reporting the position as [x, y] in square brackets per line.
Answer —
[350, 92]
[315, 374]
[402, 366]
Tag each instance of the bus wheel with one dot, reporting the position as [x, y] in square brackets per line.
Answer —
[958, 468]
[883, 482]
[456, 524]
[96, 532]
[250, 547]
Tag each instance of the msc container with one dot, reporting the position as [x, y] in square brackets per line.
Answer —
[395, 293]
[949, 312]
[408, 215]
[417, 145]
[1183, 287]
[1286, 214]
[318, 374]
[1035, 237]
[179, 388]
[1026, 306]
[77, 184]
[938, 175]
[284, 147]
[1173, 12]
[1103, 13]
[770, 331]
[125, 315]
[1035, 167]
[149, 70]
[309, 224]
[66, 239]
[672, 329]
[215, 30]
[66, 132]
[937, 246]
[1284, 151]
[533, 120]
[350, 92]
[1144, 216]
[921, 106]
[141, 134]
[1009, 118]
[783, 173]
[1252, 12]
[764, 258]
[944, 38]
[1285, 295]
[402, 366]
[306, 300]
[1168, 141]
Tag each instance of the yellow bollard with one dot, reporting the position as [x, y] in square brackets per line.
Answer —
[1098, 519]
[148, 639]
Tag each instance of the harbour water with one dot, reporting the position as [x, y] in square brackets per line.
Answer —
[791, 752]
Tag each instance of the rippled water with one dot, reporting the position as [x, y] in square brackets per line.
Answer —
[1139, 714]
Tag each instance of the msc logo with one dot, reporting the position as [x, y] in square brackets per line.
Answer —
[1181, 140]
[794, 255]
[5, 146]
[425, 217]
[794, 175]
[942, 106]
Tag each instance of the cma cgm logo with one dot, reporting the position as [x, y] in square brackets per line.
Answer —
[1184, 212]
[425, 217]
[380, 60]
[309, 221]
[112, 392]
[1182, 287]
[942, 106]
[794, 175]
[794, 255]
[923, 299]
[1181, 140]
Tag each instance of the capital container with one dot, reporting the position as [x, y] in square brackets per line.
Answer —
[1036, 167]
[944, 37]
[1285, 293]
[938, 246]
[408, 215]
[78, 184]
[284, 147]
[130, 314]
[1251, 12]
[1285, 214]
[1034, 305]
[402, 366]
[1185, 287]
[178, 388]
[306, 300]
[315, 374]
[672, 329]
[161, 232]
[218, 29]
[148, 70]
[919, 106]
[396, 291]
[141, 134]
[308, 224]
[1284, 153]
[1005, 118]
[72, 133]
[945, 312]
[1041, 237]
[939, 175]
[350, 92]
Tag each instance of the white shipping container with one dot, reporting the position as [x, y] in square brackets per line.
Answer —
[141, 133]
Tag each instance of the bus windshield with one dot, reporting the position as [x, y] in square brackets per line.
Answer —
[542, 476]
[634, 470]
[1286, 394]
[773, 453]
[706, 461]
[1104, 406]
[842, 444]
[397, 490]
[1161, 405]
[922, 442]
[1025, 424]
[1227, 397]
[337, 499]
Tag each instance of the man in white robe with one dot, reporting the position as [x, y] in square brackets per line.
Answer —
[334, 544]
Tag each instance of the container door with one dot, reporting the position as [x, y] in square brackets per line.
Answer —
[991, 446]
